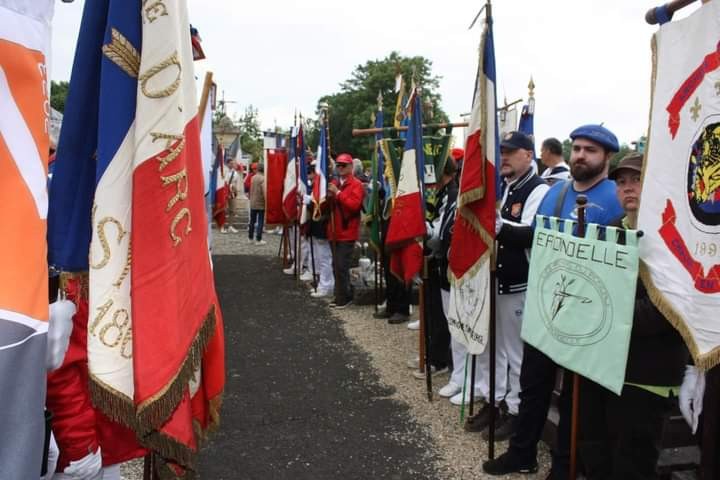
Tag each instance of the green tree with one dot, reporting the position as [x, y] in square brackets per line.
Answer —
[353, 106]
[251, 140]
[58, 95]
[624, 150]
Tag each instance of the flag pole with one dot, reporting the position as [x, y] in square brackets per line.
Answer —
[670, 7]
[492, 330]
[473, 363]
[581, 203]
[424, 325]
[207, 85]
[360, 132]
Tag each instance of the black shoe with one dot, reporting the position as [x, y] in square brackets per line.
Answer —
[506, 463]
[341, 305]
[480, 421]
[504, 428]
[382, 314]
[398, 318]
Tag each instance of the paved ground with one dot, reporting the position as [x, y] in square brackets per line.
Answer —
[302, 400]
[314, 393]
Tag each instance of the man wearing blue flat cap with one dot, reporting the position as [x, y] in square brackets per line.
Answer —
[592, 148]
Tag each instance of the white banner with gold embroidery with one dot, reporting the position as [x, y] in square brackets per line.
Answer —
[680, 208]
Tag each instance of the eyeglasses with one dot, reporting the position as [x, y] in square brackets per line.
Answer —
[343, 165]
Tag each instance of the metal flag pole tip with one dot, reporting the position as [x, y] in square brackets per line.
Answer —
[477, 16]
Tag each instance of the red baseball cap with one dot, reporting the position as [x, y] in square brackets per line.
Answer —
[457, 153]
[344, 158]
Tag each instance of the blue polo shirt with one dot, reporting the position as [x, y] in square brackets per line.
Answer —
[603, 206]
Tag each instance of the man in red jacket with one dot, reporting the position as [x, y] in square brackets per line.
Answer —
[345, 194]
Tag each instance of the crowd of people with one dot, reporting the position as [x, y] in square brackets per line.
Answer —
[619, 435]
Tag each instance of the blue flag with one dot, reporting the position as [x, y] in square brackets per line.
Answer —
[99, 114]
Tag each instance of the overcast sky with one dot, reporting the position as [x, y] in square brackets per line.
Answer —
[590, 59]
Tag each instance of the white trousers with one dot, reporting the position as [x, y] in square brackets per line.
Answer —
[508, 351]
[106, 473]
[460, 375]
[305, 253]
[323, 265]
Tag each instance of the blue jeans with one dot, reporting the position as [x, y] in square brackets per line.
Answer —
[256, 216]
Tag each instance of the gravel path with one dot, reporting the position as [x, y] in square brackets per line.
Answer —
[378, 354]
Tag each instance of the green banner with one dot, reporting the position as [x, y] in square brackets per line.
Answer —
[581, 298]
[436, 150]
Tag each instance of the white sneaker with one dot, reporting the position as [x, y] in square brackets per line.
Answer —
[261, 242]
[449, 390]
[433, 371]
[306, 277]
[458, 399]
[233, 229]
[289, 271]
[320, 294]
[414, 325]
[223, 230]
[413, 363]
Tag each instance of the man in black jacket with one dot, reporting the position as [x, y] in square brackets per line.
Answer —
[619, 435]
[523, 190]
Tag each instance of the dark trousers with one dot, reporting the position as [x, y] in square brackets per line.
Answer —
[620, 435]
[397, 294]
[437, 322]
[343, 256]
[537, 381]
[256, 217]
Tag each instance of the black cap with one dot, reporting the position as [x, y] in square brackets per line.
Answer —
[515, 140]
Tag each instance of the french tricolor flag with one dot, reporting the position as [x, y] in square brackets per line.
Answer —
[407, 224]
[474, 228]
[321, 174]
[128, 205]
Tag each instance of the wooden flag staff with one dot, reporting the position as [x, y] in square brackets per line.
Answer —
[360, 132]
[672, 7]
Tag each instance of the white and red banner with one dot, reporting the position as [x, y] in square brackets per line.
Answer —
[24, 125]
[474, 229]
[177, 323]
[680, 207]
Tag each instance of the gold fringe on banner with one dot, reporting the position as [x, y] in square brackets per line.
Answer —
[155, 411]
[702, 361]
[165, 448]
[165, 471]
[115, 405]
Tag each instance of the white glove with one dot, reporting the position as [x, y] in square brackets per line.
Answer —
[691, 395]
[86, 468]
[59, 330]
[498, 222]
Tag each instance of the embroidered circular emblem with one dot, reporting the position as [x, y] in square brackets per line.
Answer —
[575, 305]
[703, 178]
